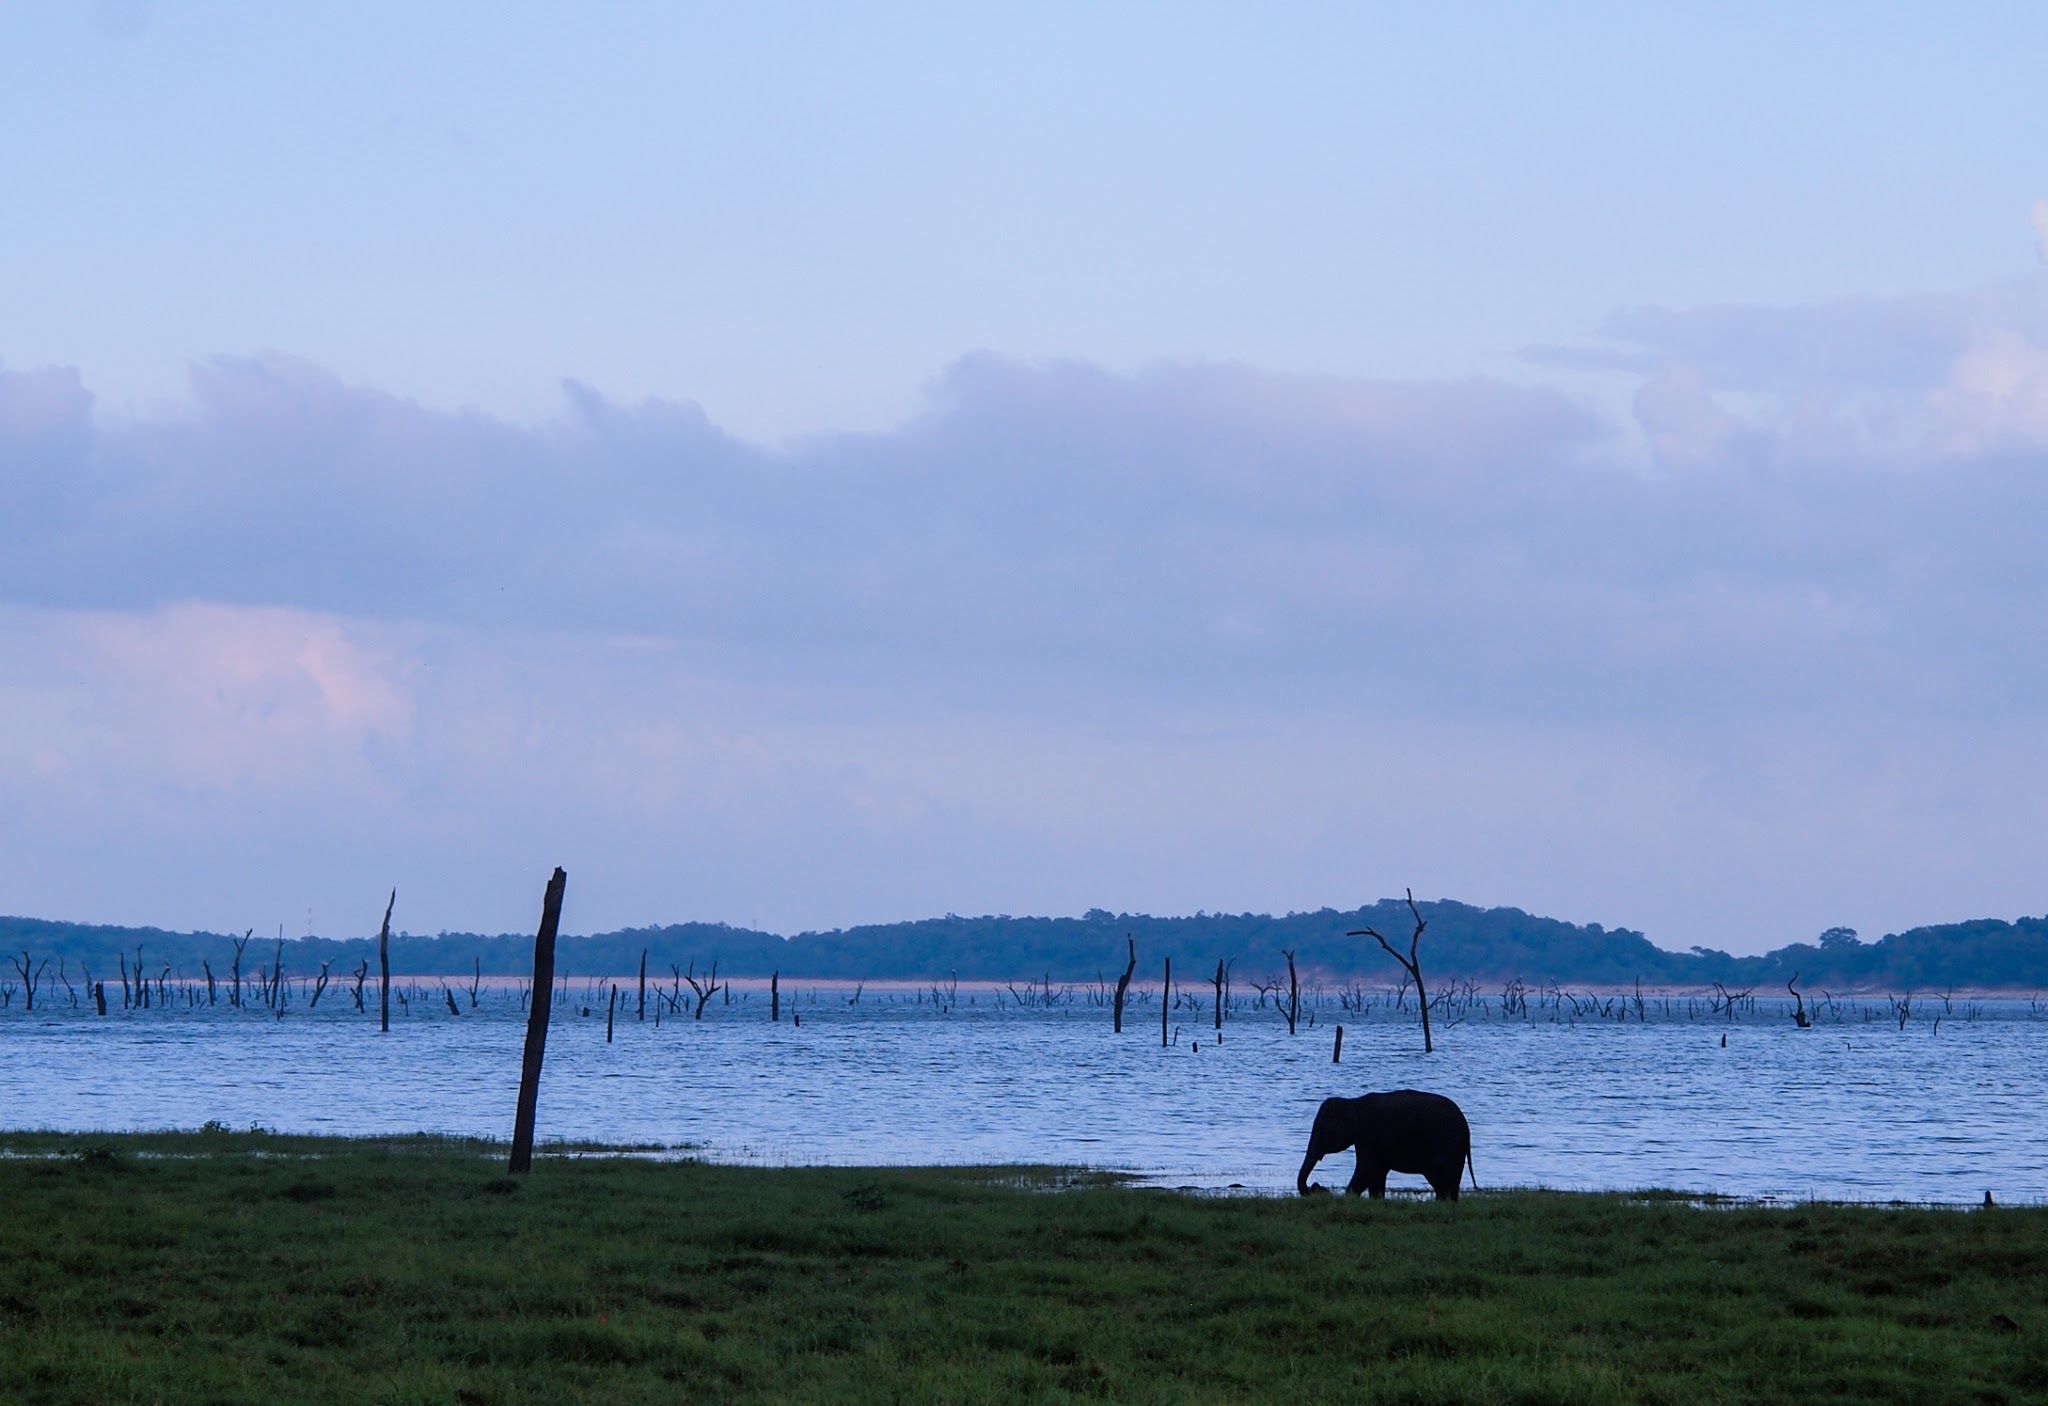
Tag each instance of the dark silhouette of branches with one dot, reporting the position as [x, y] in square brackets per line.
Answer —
[1412, 964]
[28, 977]
[705, 989]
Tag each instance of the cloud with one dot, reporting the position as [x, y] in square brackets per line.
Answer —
[222, 698]
[1686, 425]
[1207, 528]
[1996, 397]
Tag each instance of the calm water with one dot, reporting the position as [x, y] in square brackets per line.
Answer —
[1854, 1109]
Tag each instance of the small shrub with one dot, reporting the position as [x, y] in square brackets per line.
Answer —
[867, 1196]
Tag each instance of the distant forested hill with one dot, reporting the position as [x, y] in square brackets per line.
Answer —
[1462, 942]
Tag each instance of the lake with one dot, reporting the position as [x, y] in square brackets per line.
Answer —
[1939, 1108]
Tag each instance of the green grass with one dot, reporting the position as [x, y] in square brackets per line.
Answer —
[208, 1268]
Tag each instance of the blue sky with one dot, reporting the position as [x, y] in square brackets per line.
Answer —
[804, 465]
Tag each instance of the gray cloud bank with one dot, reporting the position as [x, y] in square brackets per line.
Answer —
[1794, 600]
[1472, 547]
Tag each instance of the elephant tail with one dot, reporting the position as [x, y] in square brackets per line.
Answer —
[1470, 1168]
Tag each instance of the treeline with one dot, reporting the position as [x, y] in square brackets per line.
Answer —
[1461, 943]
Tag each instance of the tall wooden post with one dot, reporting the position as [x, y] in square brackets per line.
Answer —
[537, 1023]
[1337, 1050]
[383, 966]
[775, 996]
[1165, 1001]
[610, 1012]
[643, 983]
[1218, 983]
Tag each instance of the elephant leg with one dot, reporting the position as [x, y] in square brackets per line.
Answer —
[1445, 1185]
[1370, 1179]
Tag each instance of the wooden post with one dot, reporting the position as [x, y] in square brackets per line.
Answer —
[609, 1012]
[1165, 1001]
[537, 1024]
[1218, 983]
[643, 983]
[775, 996]
[383, 966]
[99, 996]
[1337, 1053]
[1293, 992]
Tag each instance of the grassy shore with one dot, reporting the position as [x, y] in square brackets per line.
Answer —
[217, 1267]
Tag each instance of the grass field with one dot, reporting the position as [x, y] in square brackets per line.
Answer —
[219, 1267]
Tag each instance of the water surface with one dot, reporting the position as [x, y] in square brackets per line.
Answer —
[1857, 1108]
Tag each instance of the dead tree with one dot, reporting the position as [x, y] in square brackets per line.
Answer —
[122, 958]
[361, 972]
[1293, 991]
[1217, 982]
[536, 1023]
[449, 997]
[1412, 964]
[1123, 984]
[643, 983]
[1799, 1016]
[610, 1012]
[28, 978]
[209, 979]
[1726, 1001]
[707, 988]
[476, 979]
[240, 943]
[319, 985]
[1165, 1001]
[384, 967]
[774, 996]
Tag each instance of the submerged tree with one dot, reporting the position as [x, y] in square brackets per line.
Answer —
[1123, 986]
[1412, 964]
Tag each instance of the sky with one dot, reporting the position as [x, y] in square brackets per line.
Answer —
[801, 465]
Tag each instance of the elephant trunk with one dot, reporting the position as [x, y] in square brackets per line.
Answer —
[1317, 1150]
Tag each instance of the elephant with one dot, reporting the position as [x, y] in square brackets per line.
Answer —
[1402, 1131]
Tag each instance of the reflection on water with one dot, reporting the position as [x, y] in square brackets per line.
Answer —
[1857, 1110]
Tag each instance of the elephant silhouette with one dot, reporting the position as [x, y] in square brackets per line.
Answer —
[1405, 1130]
